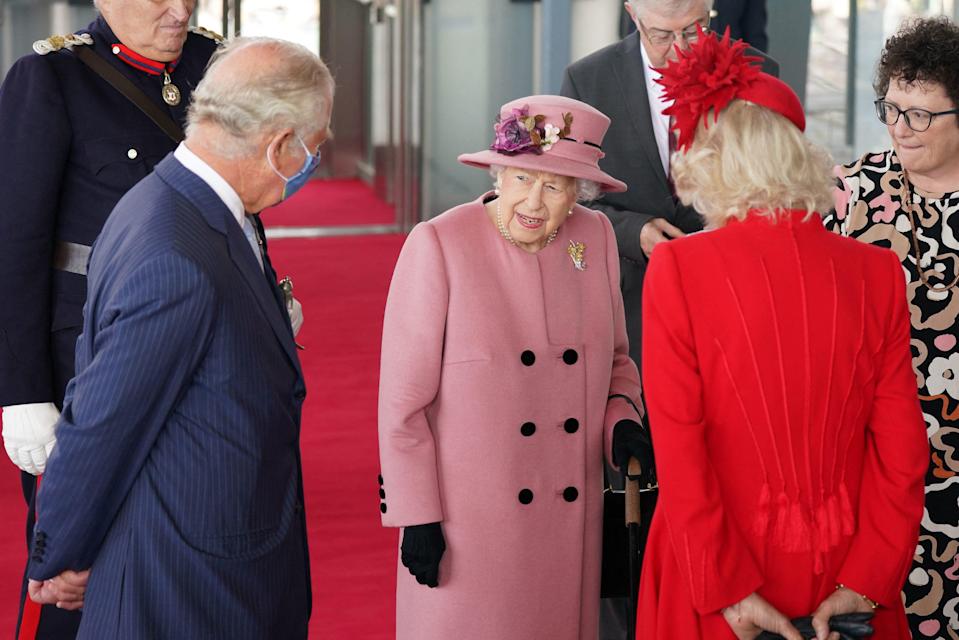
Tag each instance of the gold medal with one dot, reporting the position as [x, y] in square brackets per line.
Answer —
[171, 94]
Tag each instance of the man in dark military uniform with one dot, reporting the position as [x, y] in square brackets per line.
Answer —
[73, 146]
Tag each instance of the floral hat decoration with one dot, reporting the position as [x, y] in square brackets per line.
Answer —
[548, 133]
[710, 74]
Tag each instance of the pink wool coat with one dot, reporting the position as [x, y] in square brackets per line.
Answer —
[497, 371]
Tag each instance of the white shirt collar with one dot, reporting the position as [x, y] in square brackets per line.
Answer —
[215, 181]
[657, 104]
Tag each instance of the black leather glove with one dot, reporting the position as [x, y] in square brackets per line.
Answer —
[421, 551]
[630, 440]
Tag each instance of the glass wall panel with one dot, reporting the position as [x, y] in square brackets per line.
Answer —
[297, 21]
[478, 55]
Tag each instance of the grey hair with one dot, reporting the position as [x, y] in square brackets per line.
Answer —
[668, 7]
[295, 94]
[586, 190]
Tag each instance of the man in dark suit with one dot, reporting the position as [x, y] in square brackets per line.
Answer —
[746, 20]
[180, 432]
[618, 81]
[73, 145]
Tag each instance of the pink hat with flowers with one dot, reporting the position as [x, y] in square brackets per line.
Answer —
[552, 134]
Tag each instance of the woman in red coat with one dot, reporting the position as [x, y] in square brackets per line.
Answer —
[789, 443]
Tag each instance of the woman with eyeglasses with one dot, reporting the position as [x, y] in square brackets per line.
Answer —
[907, 198]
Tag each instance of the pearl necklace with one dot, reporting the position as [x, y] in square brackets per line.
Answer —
[503, 231]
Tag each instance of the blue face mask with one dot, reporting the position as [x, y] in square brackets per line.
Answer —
[295, 182]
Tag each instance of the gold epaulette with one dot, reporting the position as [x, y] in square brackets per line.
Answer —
[206, 33]
[56, 43]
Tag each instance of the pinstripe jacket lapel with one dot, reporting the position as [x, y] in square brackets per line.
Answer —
[218, 217]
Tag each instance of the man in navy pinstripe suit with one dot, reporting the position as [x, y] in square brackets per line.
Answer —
[176, 479]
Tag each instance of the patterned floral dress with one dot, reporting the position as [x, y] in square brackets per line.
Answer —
[869, 208]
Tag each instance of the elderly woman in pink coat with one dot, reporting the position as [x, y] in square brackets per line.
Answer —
[505, 379]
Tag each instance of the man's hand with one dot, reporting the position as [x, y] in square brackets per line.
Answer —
[296, 315]
[66, 590]
[655, 231]
[28, 434]
[839, 601]
[753, 615]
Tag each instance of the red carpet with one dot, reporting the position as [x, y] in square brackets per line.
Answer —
[342, 283]
[331, 203]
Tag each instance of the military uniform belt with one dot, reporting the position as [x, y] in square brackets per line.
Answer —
[71, 257]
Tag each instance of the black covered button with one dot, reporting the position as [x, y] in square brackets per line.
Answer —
[380, 479]
[570, 494]
[528, 358]
[382, 507]
[571, 425]
[528, 429]
[570, 356]
[382, 495]
[525, 496]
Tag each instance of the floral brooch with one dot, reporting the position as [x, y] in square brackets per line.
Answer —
[576, 251]
[525, 133]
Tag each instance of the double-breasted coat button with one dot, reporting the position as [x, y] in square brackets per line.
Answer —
[528, 429]
[382, 495]
[570, 356]
[571, 425]
[528, 358]
[133, 154]
[570, 494]
[525, 496]
[382, 507]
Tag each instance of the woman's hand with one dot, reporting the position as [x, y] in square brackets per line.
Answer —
[842, 600]
[752, 615]
[421, 551]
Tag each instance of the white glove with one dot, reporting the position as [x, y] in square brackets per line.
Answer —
[296, 315]
[28, 434]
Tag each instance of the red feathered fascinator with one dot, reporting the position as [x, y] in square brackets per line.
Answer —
[710, 74]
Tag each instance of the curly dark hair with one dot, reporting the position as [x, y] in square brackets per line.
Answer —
[923, 50]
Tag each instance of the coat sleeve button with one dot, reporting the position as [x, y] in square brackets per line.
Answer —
[382, 495]
[570, 494]
[525, 496]
[528, 358]
[380, 480]
[382, 507]
[528, 429]
[571, 425]
[570, 356]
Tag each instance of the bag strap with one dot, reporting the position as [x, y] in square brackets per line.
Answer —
[129, 91]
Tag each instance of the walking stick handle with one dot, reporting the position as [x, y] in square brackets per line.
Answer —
[634, 469]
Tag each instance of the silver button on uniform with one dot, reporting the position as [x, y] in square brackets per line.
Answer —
[132, 154]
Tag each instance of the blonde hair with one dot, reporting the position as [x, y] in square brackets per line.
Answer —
[751, 158]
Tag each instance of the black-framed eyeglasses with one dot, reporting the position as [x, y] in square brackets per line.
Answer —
[916, 119]
[665, 38]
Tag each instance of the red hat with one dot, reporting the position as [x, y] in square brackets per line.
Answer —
[549, 133]
[712, 73]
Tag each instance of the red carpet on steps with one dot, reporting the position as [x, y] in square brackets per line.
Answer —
[342, 283]
[324, 203]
